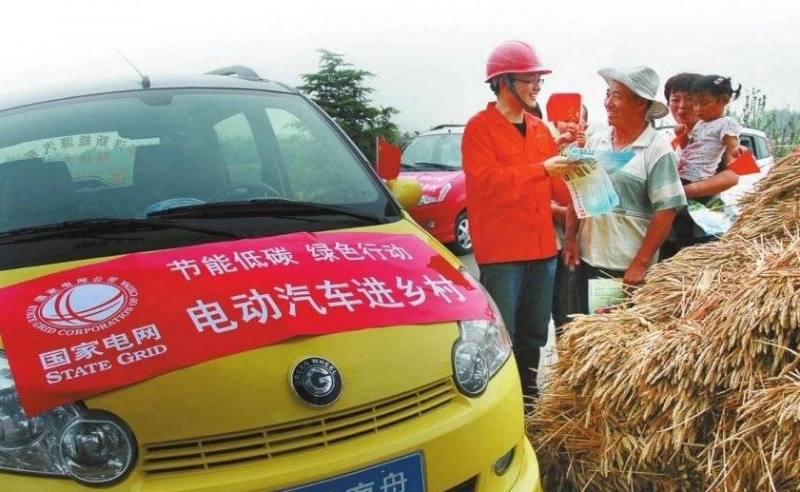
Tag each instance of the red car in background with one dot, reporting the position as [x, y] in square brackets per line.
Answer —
[434, 159]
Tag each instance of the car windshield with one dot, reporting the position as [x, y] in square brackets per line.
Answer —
[130, 155]
[441, 151]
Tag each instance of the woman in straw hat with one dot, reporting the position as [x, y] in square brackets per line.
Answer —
[624, 243]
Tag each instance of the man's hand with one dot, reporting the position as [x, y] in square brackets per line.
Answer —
[570, 254]
[634, 276]
[558, 165]
[657, 232]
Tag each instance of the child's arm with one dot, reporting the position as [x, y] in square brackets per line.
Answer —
[732, 148]
[581, 140]
[565, 138]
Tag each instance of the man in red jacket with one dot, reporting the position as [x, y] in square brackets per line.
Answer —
[509, 156]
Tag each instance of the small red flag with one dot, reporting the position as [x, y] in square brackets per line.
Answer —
[388, 159]
[564, 106]
[744, 164]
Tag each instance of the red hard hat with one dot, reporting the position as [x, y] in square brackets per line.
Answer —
[513, 57]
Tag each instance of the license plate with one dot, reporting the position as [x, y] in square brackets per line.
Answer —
[399, 475]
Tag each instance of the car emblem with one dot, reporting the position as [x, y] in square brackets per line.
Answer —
[316, 381]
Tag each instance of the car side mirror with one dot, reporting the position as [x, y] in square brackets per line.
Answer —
[408, 191]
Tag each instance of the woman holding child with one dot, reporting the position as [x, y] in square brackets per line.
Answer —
[703, 146]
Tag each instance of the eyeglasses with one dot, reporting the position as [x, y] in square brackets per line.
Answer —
[538, 81]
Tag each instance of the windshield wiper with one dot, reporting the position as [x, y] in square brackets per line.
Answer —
[270, 207]
[429, 165]
[73, 228]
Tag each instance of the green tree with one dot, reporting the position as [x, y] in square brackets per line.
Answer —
[340, 90]
[782, 126]
[406, 137]
[754, 104]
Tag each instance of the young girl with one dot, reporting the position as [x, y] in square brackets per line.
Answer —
[714, 137]
[713, 140]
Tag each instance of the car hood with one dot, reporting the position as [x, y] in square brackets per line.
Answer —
[433, 181]
[252, 391]
[746, 184]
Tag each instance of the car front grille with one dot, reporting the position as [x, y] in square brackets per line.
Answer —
[213, 452]
[468, 486]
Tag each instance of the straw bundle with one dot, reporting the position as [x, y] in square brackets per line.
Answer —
[696, 384]
[757, 446]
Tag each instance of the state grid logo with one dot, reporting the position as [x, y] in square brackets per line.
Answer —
[84, 307]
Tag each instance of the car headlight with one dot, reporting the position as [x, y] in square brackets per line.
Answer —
[97, 449]
[93, 447]
[426, 199]
[481, 350]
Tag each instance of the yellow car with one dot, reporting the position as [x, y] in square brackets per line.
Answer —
[205, 287]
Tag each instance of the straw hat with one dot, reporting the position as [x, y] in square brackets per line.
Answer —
[643, 81]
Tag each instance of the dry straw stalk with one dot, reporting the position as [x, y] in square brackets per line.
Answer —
[696, 384]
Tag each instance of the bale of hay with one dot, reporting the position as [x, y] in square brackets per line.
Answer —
[695, 385]
[756, 445]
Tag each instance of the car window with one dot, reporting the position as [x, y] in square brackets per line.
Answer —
[118, 155]
[451, 151]
[749, 142]
[762, 149]
[238, 149]
[313, 164]
[443, 148]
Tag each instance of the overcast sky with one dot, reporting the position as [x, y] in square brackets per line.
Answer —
[428, 56]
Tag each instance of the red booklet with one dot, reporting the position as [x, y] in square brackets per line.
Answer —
[744, 164]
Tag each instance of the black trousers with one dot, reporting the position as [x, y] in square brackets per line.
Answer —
[565, 295]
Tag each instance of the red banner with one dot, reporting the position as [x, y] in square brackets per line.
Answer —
[83, 331]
